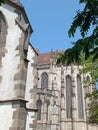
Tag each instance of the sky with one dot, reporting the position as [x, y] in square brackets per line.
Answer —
[51, 20]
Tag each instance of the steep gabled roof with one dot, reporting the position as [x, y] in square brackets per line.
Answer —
[44, 58]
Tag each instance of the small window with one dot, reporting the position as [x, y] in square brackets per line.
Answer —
[44, 80]
[39, 105]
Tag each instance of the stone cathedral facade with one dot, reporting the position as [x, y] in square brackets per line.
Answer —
[35, 93]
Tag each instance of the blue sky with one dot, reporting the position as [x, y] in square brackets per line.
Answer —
[50, 20]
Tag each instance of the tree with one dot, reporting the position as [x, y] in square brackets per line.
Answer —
[85, 50]
[1, 1]
[93, 107]
[83, 20]
[89, 67]
[92, 68]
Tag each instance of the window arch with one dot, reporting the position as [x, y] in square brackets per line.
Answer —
[68, 96]
[39, 106]
[80, 98]
[44, 80]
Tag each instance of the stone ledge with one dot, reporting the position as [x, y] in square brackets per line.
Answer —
[32, 109]
[13, 100]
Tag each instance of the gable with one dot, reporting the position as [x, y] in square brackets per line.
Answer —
[16, 7]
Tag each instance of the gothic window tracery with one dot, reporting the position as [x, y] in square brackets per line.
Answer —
[39, 105]
[44, 80]
[80, 98]
[68, 96]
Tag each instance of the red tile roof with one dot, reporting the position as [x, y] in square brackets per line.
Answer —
[44, 58]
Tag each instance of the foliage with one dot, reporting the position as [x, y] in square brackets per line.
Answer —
[91, 68]
[1, 1]
[85, 50]
[93, 107]
[83, 20]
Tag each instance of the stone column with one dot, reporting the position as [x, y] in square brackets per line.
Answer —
[62, 109]
[73, 96]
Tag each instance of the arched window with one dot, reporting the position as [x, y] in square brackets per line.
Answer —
[80, 98]
[44, 80]
[68, 97]
[39, 105]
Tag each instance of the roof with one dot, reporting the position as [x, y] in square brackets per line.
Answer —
[17, 2]
[44, 58]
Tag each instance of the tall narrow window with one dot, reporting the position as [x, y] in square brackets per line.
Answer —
[39, 105]
[48, 103]
[80, 98]
[68, 97]
[3, 30]
[44, 80]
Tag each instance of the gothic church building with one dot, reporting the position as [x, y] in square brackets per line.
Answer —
[35, 93]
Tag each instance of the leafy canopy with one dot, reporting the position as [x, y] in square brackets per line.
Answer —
[85, 50]
[1, 1]
[84, 21]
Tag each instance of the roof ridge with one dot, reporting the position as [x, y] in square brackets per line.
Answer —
[17, 2]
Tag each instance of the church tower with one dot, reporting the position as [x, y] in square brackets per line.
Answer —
[15, 31]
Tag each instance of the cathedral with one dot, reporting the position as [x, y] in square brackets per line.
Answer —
[35, 92]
